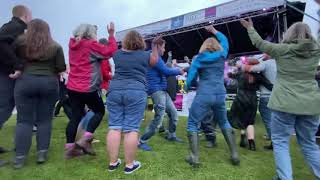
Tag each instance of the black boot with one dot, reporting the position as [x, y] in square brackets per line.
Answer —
[252, 145]
[18, 162]
[211, 141]
[3, 150]
[243, 141]
[42, 156]
[193, 157]
[231, 141]
[270, 147]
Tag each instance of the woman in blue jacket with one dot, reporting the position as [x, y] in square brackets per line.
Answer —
[211, 94]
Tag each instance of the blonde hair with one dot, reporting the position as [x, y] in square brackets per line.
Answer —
[86, 31]
[298, 31]
[133, 41]
[211, 45]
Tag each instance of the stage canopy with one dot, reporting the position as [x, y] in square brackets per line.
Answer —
[184, 34]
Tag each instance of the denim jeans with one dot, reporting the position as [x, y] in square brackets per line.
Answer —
[6, 98]
[200, 107]
[282, 126]
[126, 109]
[265, 113]
[162, 103]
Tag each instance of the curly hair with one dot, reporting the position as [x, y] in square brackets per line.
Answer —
[86, 31]
[133, 41]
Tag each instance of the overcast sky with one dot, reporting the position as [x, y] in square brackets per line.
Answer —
[64, 15]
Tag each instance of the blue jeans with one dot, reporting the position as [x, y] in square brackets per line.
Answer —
[162, 103]
[200, 107]
[282, 126]
[265, 113]
[126, 109]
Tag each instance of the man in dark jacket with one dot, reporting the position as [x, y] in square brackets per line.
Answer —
[10, 65]
[157, 88]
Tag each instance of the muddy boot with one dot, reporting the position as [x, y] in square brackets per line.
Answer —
[193, 157]
[85, 143]
[269, 147]
[243, 141]
[71, 151]
[252, 145]
[230, 139]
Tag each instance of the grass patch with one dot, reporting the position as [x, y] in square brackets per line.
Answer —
[166, 161]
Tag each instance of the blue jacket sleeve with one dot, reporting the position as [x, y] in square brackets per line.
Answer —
[207, 57]
[160, 66]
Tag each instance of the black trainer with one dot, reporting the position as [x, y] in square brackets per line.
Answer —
[136, 166]
[114, 167]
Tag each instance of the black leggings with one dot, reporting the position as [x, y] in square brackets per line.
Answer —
[78, 101]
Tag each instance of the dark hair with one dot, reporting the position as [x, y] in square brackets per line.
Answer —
[103, 41]
[133, 41]
[38, 39]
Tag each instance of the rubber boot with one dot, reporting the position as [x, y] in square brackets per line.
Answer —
[72, 151]
[193, 157]
[231, 141]
[85, 143]
[243, 141]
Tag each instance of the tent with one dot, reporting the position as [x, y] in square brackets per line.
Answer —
[184, 34]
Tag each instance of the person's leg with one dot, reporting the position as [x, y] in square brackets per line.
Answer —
[77, 107]
[58, 108]
[198, 111]
[220, 112]
[95, 104]
[173, 119]
[265, 113]
[282, 125]
[250, 135]
[159, 101]
[67, 108]
[26, 102]
[208, 129]
[306, 127]
[48, 93]
[113, 144]
[134, 111]
[6, 98]
[116, 111]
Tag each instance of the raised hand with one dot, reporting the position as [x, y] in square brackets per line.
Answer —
[111, 28]
[246, 23]
[211, 29]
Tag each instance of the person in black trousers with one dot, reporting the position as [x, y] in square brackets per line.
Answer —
[64, 100]
[36, 91]
[10, 64]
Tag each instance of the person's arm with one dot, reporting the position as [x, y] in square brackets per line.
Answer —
[160, 66]
[254, 68]
[106, 51]
[273, 49]
[60, 65]
[154, 56]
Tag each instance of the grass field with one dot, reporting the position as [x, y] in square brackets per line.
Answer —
[166, 161]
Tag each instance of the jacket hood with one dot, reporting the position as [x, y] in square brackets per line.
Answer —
[306, 48]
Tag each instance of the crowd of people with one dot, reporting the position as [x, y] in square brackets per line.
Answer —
[32, 78]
